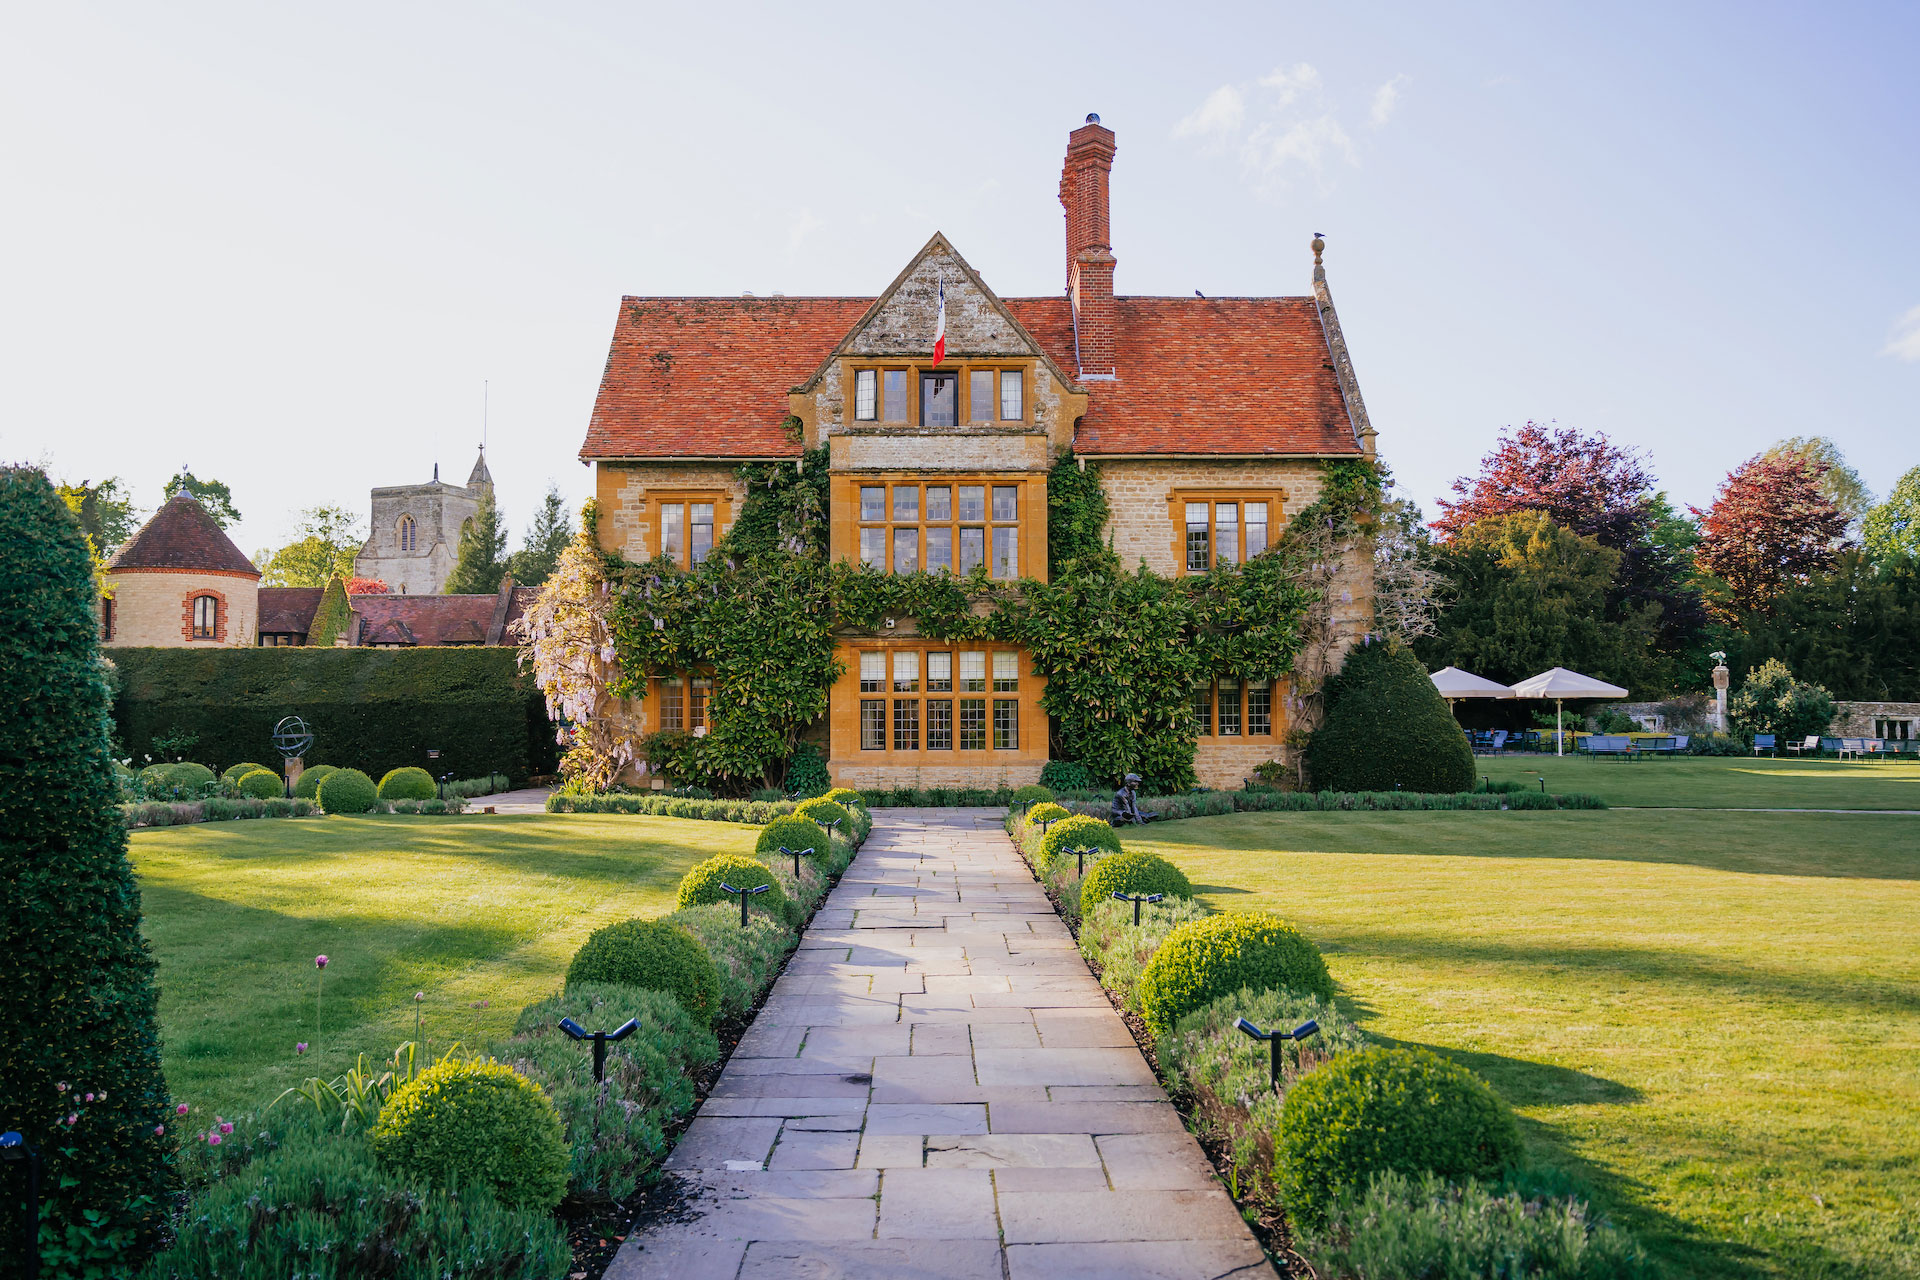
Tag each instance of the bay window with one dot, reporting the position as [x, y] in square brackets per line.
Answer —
[951, 526]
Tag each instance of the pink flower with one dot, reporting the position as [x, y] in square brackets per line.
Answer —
[226, 1126]
[89, 1098]
[213, 1139]
[319, 962]
[301, 1047]
[180, 1110]
[419, 996]
[72, 1118]
[62, 1086]
[159, 1129]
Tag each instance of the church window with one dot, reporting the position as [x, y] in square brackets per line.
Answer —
[206, 614]
[865, 408]
[939, 399]
[409, 534]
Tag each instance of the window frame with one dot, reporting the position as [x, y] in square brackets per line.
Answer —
[408, 532]
[913, 413]
[212, 629]
[948, 706]
[1209, 729]
[883, 535]
[686, 499]
[1177, 502]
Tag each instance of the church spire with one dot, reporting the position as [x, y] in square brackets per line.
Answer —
[481, 478]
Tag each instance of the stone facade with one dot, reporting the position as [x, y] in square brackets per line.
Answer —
[155, 607]
[629, 494]
[1871, 719]
[1142, 493]
[438, 511]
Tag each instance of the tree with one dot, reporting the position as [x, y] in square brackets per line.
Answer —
[1770, 700]
[214, 496]
[1838, 481]
[1770, 526]
[105, 512]
[1598, 490]
[1530, 595]
[328, 540]
[1851, 629]
[332, 616]
[1893, 527]
[367, 587]
[1387, 727]
[1407, 588]
[77, 994]
[552, 530]
[483, 546]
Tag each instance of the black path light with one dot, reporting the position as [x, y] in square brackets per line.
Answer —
[1275, 1039]
[1044, 824]
[1080, 858]
[744, 895]
[14, 1149]
[796, 855]
[601, 1039]
[1136, 900]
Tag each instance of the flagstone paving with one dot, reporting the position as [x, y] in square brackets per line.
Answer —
[937, 1088]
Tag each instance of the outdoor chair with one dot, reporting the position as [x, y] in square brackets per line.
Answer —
[1610, 744]
[1499, 741]
[1667, 746]
[1801, 748]
[1764, 742]
[1830, 744]
[1855, 747]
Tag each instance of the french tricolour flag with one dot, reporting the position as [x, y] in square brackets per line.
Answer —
[940, 326]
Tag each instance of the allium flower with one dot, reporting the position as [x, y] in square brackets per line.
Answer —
[300, 1047]
[226, 1126]
[180, 1110]
[213, 1139]
[319, 962]
[89, 1098]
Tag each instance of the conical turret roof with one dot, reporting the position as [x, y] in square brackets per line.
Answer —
[182, 535]
[480, 475]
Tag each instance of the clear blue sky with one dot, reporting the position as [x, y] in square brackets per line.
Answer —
[286, 244]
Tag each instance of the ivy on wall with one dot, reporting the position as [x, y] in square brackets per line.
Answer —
[1120, 651]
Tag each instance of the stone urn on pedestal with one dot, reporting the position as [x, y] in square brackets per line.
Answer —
[1721, 678]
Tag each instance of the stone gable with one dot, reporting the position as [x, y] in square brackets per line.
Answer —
[977, 325]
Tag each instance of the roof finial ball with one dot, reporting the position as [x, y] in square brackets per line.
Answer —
[1093, 117]
[1318, 246]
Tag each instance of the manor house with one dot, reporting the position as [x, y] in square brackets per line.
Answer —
[942, 406]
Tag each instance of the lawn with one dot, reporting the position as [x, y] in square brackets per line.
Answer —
[1721, 782]
[1711, 1018]
[480, 913]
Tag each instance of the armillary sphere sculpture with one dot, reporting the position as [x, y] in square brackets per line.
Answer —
[291, 737]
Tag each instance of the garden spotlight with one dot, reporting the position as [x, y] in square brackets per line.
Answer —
[1080, 857]
[795, 854]
[1136, 901]
[1275, 1039]
[744, 895]
[600, 1041]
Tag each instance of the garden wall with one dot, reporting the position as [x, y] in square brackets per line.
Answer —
[369, 709]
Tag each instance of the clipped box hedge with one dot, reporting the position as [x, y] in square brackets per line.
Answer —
[376, 709]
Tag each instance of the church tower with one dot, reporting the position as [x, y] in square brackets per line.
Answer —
[415, 534]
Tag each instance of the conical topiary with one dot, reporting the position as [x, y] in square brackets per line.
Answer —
[79, 1048]
[1387, 727]
[332, 616]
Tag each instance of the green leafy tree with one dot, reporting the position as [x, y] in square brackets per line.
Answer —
[1530, 595]
[1770, 700]
[79, 1046]
[1851, 629]
[549, 535]
[328, 540]
[1893, 527]
[105, 511]
[214, 496]
[483, 551]
[1840, 483]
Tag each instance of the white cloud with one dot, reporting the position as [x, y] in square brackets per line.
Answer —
[1221, 113]
[1385, 99]
[1282, 127]
[1905, 342]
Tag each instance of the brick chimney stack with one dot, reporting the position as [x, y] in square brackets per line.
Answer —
[1090, 260]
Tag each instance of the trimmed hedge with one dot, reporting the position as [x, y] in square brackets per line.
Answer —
[476, 1122]
[1045, 811]
[842, 796]
[1081, 831]
[1030, 795]
[1065, 775]
[233, 773]
[756, 812]
[347, 791]
[1134, 872]
[936, 797]
[701, 884]
[378, 708]
[1210, 958]
[824, 812]
[1121, 950]
[1216, 803]
[408, 782]
[184, 774]
[307, 785]
[653, 956]
[1388, 728]
[261, 784]
[794, 832]
[1387, 1111]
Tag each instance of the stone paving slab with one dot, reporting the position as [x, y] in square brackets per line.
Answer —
[937, 1089]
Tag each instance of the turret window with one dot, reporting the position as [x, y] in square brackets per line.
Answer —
[206, 616]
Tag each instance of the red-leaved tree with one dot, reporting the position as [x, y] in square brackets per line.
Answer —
[366, 587]
[1770, 527]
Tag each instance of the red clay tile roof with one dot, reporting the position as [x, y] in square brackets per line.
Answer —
[182, 535]
[288, 609]
[397, 619]
[708, 377]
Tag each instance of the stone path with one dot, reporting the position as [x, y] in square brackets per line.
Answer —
[937, 1087]
[526, 800]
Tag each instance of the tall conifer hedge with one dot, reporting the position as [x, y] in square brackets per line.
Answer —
[77, 995]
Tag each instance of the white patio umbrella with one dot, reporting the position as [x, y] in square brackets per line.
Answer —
[1454, 683]
[1561, 684]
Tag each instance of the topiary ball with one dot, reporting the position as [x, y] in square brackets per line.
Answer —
[701, 884]
[1387, 727]
[261, 784]
[795, 832]
[653, 955]
[1031, 794]
[184, 774]
[1077, 832]
[479, 1121]
[346, 791]
[1047, 811]
[1205, 959]
[1065, 775]
[409, 783]
[824, 811]
[307, 785]
[1378, 1110]
[1135, 872]
[239, 771]
[843, 795]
